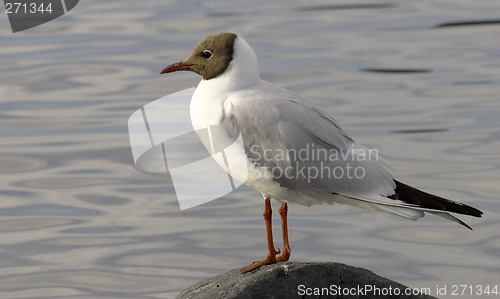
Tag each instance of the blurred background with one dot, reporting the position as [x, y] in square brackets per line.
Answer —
[417, 80]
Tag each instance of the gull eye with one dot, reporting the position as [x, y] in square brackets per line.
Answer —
[207, 54]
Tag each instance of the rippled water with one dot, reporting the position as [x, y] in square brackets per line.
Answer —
[417, 80]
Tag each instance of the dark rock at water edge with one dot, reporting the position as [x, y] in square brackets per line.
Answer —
[299, 280]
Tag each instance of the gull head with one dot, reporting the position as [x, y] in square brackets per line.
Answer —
[209, 58]
[224, 56]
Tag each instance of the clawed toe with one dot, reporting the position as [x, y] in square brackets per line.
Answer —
[267, 261]
[283, 257]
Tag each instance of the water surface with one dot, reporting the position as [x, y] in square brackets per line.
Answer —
[419, 81]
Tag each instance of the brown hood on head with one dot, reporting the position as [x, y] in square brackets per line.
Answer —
[209, 58]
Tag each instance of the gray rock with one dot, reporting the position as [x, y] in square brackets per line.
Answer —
[299, 280]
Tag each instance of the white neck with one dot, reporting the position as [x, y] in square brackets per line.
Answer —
[209, 98]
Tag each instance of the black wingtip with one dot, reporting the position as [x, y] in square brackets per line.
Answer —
[426, 200]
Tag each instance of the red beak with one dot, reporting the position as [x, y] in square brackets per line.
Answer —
[174, 67]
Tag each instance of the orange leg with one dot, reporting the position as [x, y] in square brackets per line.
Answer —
[271, 251]
[283, 257]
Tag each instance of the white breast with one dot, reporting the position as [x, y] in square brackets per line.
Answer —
[206, 111]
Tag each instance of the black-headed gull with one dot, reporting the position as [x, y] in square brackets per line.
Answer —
[292, 150]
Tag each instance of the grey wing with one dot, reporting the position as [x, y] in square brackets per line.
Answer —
[304, 148]
[277, 126]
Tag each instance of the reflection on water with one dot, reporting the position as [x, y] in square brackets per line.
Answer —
[397, 71]
[468, 23]
[78, 220]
